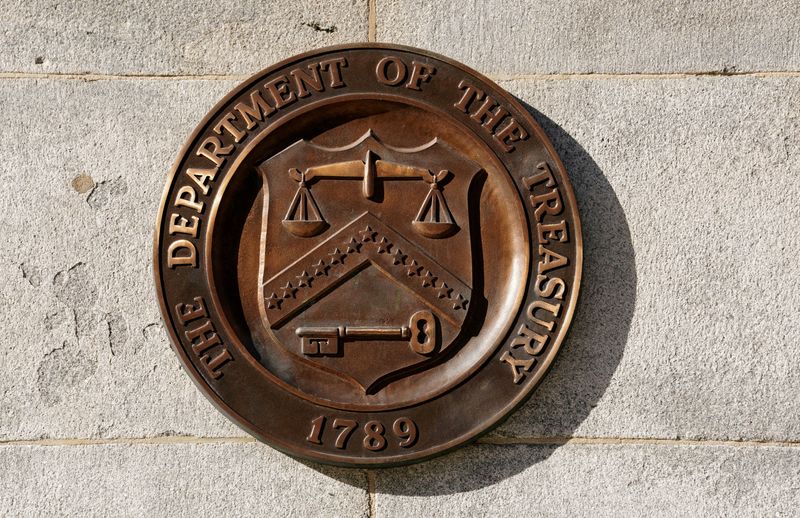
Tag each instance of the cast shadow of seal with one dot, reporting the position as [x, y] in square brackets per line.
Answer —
[584, 367]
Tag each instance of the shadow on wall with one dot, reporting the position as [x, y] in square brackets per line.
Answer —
[584, 366]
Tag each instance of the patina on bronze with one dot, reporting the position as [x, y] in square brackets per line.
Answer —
[367, 255]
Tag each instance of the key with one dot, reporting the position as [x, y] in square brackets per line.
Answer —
[420, 332]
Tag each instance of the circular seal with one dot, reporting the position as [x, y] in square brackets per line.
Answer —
[367, 255]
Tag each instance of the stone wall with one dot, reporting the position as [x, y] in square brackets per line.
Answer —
[676, 392]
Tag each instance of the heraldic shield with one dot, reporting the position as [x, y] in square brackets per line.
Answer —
[366, 255]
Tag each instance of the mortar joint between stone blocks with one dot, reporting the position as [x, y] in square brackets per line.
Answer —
[372, 20]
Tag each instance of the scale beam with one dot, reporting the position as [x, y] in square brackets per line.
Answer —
[368, 170]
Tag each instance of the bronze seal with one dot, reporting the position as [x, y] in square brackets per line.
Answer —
[367, 255]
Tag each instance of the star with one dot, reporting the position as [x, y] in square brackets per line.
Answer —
[274, 302]
[443, 291]
[288, 290]
[321, 268]
[384, 246]
[337, 257]
[413, 268]
[367, 234]
[459, 302]
[353, 245]
[428, 279]
[398, 257]
[304, 279]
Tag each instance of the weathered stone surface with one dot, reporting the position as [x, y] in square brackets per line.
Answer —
[688, 193]
[553, 36]
[170, 38]
[596, 480]
[84, 352]
[688, 318]
[172, 480]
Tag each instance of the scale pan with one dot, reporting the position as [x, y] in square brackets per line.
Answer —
[434, 229]
[305, 228]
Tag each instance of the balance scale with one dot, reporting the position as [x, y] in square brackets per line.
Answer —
[304, 219]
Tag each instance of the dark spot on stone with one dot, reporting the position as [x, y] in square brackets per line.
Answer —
[31, 274]
[321, 28]
[39, 60]
[75, 287]
[62, 368]
[105, 191]
[82, 183]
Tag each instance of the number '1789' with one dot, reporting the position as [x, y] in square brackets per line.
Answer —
[404, 430]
